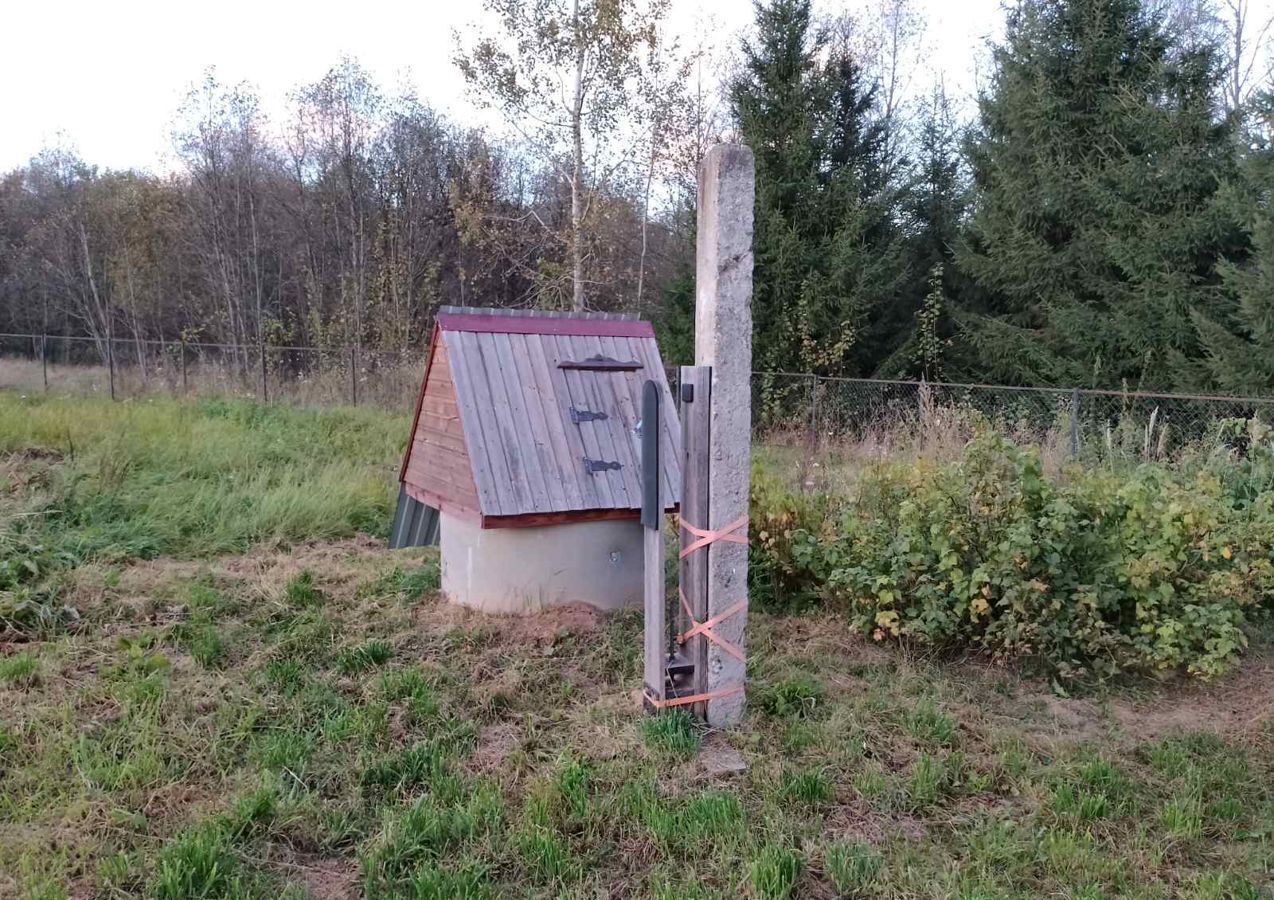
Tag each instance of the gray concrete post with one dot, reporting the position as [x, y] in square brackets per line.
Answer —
[723, 340]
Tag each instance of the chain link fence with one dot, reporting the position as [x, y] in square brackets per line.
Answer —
[789, 409]
[810, 410]
[123, 368]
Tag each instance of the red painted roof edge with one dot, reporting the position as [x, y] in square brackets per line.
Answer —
[515, 324]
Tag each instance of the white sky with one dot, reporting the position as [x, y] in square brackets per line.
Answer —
[107, 76]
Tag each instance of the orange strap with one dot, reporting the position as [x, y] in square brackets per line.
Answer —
[708, 536]
[693, 698]
[705, 628]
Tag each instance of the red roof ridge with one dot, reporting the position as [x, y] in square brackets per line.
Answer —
[525, 322]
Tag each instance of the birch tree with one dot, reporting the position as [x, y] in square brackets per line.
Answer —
[562, 74]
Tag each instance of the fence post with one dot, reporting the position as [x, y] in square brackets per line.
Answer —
[44, 359]
[1075, 423]
[353, 375]
[723, 341]
[110, 363]
[813, 410]
[184, 386]
[265, 388]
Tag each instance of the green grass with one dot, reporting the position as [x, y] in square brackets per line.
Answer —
[235, 726]
[20, 669]
[148, 478]
[355, 660]
[671, 732]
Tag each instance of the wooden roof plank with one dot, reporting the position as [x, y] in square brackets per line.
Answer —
[670, 431]
[627, 442]
[572, 393]
[568, 445]
[508, 429]
[563, 325]
[486, 448]
[530, 448]
[668, 463]
[588, 381]
[534, 401]
[534, 313]
[470, 420]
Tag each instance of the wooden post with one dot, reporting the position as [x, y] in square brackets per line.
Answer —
[44, 339]
[265, 388]
[696, 405]
[184, 385]
[353, 376]
[655, 654]
[814, 438]
[723, 340]
[110, 357]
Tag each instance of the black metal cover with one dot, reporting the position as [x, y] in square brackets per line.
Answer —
[651, 401]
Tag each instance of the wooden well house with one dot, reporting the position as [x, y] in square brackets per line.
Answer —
[527, 440]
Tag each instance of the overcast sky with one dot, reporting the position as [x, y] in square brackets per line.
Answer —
[108, 75]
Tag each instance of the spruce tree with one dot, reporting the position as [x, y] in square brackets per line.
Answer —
[1238, 340]
[1097, 228]
[933, 211]
[826, 261]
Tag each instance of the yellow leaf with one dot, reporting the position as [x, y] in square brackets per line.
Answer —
[1225, 551]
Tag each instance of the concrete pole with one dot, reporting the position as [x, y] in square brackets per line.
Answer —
[723, 340]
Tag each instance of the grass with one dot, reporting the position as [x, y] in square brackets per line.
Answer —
[671, 733]
[156, 477]
[310, 720]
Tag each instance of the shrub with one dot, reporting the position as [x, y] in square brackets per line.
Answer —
[782, 523]
[1091, 572]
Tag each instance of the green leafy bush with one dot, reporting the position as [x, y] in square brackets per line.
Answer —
[781, 521]
[1093, 572]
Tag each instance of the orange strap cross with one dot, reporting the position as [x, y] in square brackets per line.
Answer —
[693, 698]
[706, 537]
[705, 628]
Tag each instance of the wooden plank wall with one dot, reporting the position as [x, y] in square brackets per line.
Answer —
[439, 462]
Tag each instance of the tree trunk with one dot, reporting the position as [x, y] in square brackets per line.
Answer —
[645, 216]
[577, 170]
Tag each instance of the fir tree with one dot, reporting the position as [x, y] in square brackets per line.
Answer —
[826, 260]
[1238, 341]
[1097, 228]
[933, 210]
